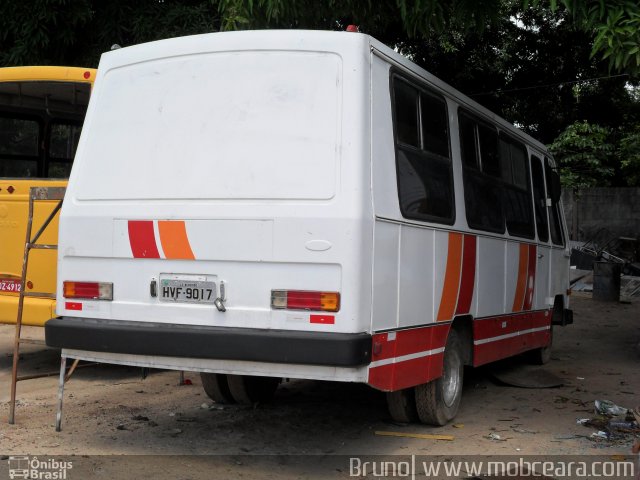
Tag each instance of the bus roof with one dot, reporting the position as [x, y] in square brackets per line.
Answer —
[301, 40]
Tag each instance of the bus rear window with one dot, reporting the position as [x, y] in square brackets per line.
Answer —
[19, 137]
[257, 125]
[64, 140]
[40, 123]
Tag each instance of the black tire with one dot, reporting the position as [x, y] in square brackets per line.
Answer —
[402, 405]
[542, 355]
[247, 390]
[437, 402]
[216, 387]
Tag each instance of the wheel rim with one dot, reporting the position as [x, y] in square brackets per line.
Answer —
[451, 379]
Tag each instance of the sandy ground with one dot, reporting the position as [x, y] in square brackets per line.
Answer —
[111, 410]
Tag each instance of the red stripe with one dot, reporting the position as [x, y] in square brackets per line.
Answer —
[531, 278]
[488, 328]
[540, 319]
[142, 239]
[408, 341]
[467, 281]
[494, 326]
[407, 373]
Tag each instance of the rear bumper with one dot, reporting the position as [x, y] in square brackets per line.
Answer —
[222, 343]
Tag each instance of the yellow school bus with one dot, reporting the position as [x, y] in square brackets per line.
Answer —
[41, 115]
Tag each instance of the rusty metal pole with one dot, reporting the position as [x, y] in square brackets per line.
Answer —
[16, 340]
[63, 364]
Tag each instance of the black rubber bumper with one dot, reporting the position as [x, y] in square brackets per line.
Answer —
[195, 341]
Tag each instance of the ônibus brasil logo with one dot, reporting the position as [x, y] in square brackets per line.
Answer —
[33, 468]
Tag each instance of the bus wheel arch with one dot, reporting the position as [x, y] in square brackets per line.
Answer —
[438, 401]
[542, 355]
[463, 325]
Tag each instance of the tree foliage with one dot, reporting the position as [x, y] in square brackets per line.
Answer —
[615, 25]
[76, 32]
[541, 64]
[584, 152]
[629, 154]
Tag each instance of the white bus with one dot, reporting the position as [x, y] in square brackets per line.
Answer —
[304, 204]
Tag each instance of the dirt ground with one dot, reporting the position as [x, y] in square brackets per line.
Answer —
[111, 410]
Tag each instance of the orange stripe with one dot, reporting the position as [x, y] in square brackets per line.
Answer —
[451, 278]
[523, 264]
[173, 237]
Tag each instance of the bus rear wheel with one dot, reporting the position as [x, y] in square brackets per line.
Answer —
[247, 389]
[542, 355]
[437, 402]
[216, 387]
[402, 405]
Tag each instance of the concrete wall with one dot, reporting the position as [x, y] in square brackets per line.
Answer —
[590, 209]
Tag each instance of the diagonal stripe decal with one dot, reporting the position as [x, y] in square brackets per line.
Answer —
[165, 239]
[449, 296]
[174, 240]
[523, 260]
[467, 280]
[531, 277]
[142, 239]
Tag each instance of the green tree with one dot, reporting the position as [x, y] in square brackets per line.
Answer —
[629, 156]
[76, 32]
[613, 25]
[583, 153]
[537, 63]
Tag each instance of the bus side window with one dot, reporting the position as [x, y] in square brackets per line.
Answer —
[489, 157]
[468, 147]
[516, 188]
[423, 160]
[19, 139]
[539, 199]
[554, 213]
[406, 112]
[481, 175]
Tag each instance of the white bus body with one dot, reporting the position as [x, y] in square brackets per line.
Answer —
[242, 165]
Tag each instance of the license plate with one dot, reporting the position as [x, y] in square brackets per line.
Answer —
[9, 285]
[187, 288]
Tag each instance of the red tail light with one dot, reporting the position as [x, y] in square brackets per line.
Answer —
[305, 300]
[88, 290]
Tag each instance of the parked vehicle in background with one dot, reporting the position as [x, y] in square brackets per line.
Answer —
[41, 115]
[297, 204]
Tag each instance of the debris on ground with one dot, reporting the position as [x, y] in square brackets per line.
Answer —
[613, 423]
[496, 437]
[607, 407]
